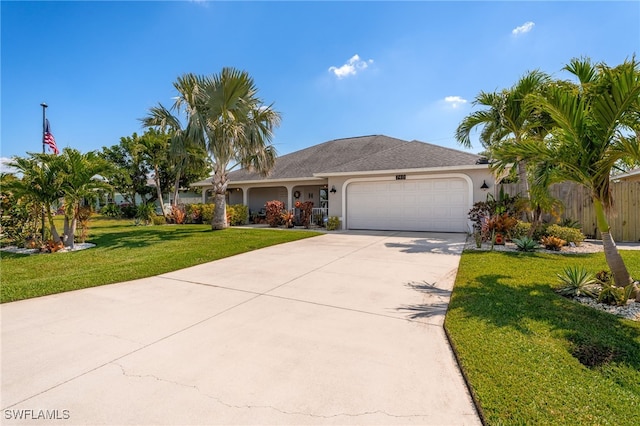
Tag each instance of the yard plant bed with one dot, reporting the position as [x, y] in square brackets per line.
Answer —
[125, 252]
[534, 357]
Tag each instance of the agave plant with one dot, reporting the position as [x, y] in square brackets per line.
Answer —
[525, 244]
[577, 282]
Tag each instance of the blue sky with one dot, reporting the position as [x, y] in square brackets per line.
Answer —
[333, 69]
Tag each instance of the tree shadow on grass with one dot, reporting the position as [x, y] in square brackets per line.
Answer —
[595, 337]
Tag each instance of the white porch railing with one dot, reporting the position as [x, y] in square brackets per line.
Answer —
[318, 215]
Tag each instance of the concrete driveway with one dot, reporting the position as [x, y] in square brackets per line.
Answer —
[345, 328]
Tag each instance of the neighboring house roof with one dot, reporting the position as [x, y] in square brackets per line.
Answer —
[358, 154]
[631, 175]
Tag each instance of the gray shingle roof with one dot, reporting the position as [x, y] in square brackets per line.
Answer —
[360, 154]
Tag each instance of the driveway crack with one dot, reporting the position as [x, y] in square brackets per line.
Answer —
[266, 407]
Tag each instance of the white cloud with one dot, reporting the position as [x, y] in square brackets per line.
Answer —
[4, 168]
[455, 101]
[522, 29]
[352, 67]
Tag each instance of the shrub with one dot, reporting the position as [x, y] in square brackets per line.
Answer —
[612, 295]
[333, 223]
[525, 244]
[570, 235]
[111, 210]
[206, 212]
[193, 213]
[519, 230]
[19, 223]
[577, 282]
[145, 212]
[274, 212]
[306, 209]
[158, 220]
[237, 214]
[178, 214]
[552, 243]
[128, 211]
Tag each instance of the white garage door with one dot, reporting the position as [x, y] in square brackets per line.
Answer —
[409, 205]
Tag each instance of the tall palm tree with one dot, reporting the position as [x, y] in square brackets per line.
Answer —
[226, 117]
[507, 119]
[595, 126]
[80, 181]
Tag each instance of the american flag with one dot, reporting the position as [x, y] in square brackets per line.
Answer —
[49, 139]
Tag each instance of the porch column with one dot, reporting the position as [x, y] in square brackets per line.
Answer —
[289, 197]
[204, 195]
[245, 196]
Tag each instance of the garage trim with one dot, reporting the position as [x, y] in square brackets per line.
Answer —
[345, 224]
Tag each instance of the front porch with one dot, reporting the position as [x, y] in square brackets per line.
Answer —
[256, 196]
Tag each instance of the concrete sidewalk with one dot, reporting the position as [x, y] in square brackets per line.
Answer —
[345, 328]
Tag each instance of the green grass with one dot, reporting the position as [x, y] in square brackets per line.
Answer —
[520, 345]
[125, 252]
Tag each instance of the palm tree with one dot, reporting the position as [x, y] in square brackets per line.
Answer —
[595, 127]
[225, 117]
[154, 147]
[41, 184]
[80, 181]
[507, 119]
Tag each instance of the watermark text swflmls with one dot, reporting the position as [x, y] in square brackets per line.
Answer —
[26, 414]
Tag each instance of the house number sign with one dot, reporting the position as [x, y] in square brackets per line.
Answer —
[401, 177]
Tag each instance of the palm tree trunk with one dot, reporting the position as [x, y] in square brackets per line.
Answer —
[176, 189]
[614, 260]
[52, 226]
[159, 190]
[69, 232]
[219, 220]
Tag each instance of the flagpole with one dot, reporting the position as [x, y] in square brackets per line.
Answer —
[44, 120]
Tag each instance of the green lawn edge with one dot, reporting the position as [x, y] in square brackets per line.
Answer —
[518, 343]
[126, 252]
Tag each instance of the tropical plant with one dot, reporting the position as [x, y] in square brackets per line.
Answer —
[111, 210]
[41, 184]
[274, 211]
[306, 210]
[81, 179]
[226, 117]
[506, 120]
[525, 243]
[178, 214]
[145, 213]
[595, 126]
[613, 295]
[552, 243]
[84, 216]
[577, 282]
[153, 149]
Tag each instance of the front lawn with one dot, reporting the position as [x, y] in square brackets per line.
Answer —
[125, 252]
[533, 357]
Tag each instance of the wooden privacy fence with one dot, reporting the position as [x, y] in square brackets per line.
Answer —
[624, 217]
